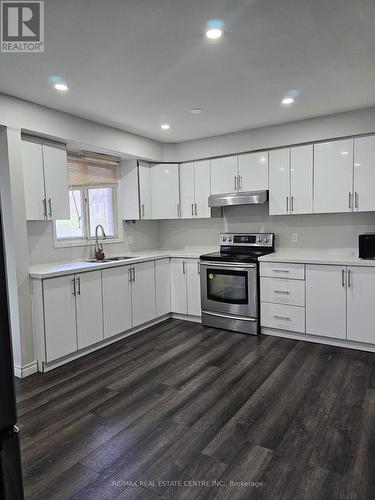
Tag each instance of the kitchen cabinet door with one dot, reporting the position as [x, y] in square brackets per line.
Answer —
[33, 176]
[224, 175]
[162, 287]
[193, 287]
[56, 181]
[187, 190]
[178, 286]
[59, 317]
[202, 187]
[279, 182]
[364, 174]
[117, 312]
[89, 308]
[326, 301]
[144, 172]
[143, 293]
[361, 302]
[165, 197]
[253, 172]
[301, 179]
[333, 176]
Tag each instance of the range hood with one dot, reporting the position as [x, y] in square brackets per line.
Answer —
[233, 199]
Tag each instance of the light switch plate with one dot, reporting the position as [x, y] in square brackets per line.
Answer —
[294, 237]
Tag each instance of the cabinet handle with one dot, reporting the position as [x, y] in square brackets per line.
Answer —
[130, 274]
[178, 210]
[292, 203]
[45, 208]
[280, 270]
[356, 200]
[74, 287]
[134, 274]
[196, 209]
[192, 209]
[281, 317]
[143, 211]
[350, 200]
[235, 182]
[79, 286]
[50, 206]
[343, 278]
[183, 267]
[349, 278]
[287, 204]
[282, 291]
[198, 267]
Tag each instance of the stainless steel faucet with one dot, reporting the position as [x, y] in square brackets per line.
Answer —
[99, 247]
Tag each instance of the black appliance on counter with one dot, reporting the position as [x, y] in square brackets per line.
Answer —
[366, 246]
[11, 485]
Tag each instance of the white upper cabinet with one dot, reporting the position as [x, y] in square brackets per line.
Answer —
[56, 181]
[46, 184]
[187, 190]
[253, 172]
[144, 173]
[195, 189]
[224, 175]
[202, 188]
[279, 181]
[360, 309]
[333, 176]
[33, 176]
[364, 174]
[301, 180]
[326, 301]
[165, 197]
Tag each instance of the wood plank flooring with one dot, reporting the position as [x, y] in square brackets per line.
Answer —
[180, 411]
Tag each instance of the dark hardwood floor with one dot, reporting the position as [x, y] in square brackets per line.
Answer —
[241, 416]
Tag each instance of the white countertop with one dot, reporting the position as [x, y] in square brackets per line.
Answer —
[307, 256]
[53, 269]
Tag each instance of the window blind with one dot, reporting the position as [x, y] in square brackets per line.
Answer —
[85, 172]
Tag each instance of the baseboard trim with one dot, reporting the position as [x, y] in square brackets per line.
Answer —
[25, 370]
[186, 317]
[349, 344]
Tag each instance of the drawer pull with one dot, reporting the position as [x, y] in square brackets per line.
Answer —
[281, 317]
[282, 291]
[280, 270]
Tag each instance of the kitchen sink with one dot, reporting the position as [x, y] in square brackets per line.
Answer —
[110, 259]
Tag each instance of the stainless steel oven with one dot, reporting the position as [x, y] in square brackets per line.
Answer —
[230, 282]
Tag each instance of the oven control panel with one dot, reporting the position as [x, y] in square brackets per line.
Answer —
[247, 239]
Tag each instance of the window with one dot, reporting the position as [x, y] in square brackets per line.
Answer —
[93, 201]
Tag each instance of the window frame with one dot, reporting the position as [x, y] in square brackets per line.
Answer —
[89, 240]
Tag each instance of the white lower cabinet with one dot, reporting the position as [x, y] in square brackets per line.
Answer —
[59, 317]
[185, 287]
[283, 317]
[361, 304]
[326, 301]
[162, 287]
[143, 293]
[117, 312]
[89, 308]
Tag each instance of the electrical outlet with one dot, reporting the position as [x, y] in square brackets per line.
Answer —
[294, 237]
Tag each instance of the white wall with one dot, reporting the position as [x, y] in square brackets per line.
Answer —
[325, 231]
[144, 235]
[314, 129]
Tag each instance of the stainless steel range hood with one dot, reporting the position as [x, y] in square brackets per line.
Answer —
[233, 199]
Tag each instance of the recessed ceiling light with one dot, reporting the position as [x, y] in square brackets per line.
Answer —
[61, 87]
[195, 111]
[344, 153]
[165, 126]
[214, 29]
[287, 100]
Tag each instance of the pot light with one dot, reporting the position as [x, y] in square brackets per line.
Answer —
[344, 153]
[165, 126]
[287, 100]
[195, 111]
[214, 29]
[61, 87]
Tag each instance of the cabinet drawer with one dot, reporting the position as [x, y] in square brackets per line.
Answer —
[283, 317]
[282, 270]
[282, 291]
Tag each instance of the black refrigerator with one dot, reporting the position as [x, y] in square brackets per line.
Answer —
[11, 487]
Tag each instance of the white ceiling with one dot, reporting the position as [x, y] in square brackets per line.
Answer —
[130, 63]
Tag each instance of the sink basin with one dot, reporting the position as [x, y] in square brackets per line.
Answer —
[110, 259]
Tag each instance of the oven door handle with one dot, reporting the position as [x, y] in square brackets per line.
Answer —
[228, 266]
